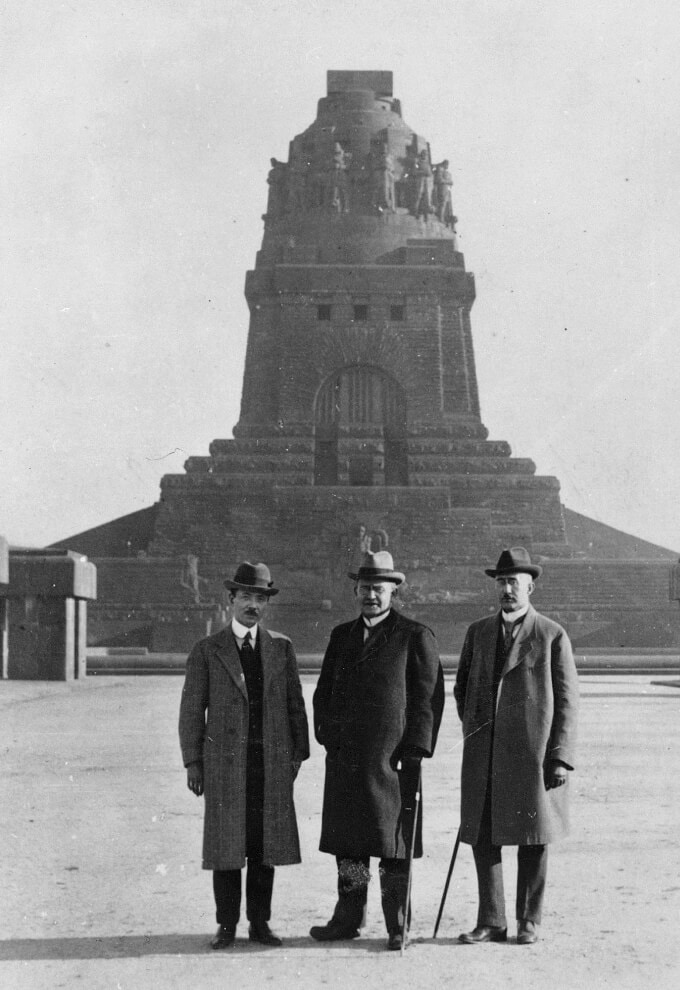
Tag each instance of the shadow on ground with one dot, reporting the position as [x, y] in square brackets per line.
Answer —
[136, 946]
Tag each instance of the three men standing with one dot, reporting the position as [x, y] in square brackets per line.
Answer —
[517, 695]
[243, 733]
[377, 709]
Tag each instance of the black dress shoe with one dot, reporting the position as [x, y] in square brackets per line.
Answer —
[224, 938]
[394, 942]
[484, 933]
[259, 931]
[334, 931]
[526, 933]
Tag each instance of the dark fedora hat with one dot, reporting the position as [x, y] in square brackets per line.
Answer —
[516, 560]
[377, 567]
[252, 577]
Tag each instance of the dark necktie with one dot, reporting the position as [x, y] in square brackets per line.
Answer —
[508, 634]
[247, 648]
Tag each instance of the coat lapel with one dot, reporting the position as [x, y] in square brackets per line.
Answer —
[270, 657]
[489, 638]
[227, 654]
[522, 644]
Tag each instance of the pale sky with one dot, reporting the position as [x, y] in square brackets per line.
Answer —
[136, 145]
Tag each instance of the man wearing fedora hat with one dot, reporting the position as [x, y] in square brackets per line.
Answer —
[377, 709]
[517, 695]
[243, 733]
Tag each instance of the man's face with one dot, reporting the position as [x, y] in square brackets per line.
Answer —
[248, 607]
[375, 597]
[513, 591]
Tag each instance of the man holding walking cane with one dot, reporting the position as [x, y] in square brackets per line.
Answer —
[517, 696]
[377, 709]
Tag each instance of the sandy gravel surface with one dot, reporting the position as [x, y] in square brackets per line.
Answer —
[102, 886]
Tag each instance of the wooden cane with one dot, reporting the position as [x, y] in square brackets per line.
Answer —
[446, 885]
[410, 863]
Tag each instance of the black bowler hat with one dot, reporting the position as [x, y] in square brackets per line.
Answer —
[252, 577]
[516, 560]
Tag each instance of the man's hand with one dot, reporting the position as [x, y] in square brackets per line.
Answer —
[555, 775]
[195, 778]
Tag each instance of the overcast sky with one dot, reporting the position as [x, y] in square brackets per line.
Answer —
[136, 145]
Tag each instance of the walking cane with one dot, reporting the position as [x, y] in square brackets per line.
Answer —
[446, 885]
[407, 908]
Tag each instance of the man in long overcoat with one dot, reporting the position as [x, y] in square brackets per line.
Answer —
[377, 709]
[517, 695]
[243, 733]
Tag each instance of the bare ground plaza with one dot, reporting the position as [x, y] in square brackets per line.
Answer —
[103, 886]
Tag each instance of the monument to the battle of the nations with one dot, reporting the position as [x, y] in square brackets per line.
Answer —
[360, 425]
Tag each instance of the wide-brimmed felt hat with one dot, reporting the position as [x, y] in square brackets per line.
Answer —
[252, 577]
[377, 567]
[516, 560]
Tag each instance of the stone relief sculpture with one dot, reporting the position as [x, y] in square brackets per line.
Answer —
[405, 187]
[378, 182]
[443, 181]
[338, 184]
[297, 181]
[278, 192]
[370, 542]
[382, 175]
[191, 580]
[423, 186]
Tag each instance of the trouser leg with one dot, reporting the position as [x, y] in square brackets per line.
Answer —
[353, 878]
[259, 887]
[394, 891]
[489, 866]
[227, 891]
[532, 870]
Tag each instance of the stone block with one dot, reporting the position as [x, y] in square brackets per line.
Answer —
[47, 614]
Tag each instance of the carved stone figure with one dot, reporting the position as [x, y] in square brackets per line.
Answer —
[297, 180]
[190, 578]
[278, 193]
[338, 184]
[383, 179]
[424, 183]
[443, 181]
[405, 188]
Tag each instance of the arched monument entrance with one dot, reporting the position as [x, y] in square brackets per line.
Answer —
[360, 429]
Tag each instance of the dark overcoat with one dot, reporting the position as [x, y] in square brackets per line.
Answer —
[373, 700]
[534, 722]
[213, 727]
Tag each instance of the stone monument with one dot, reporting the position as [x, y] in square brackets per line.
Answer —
[360, 418]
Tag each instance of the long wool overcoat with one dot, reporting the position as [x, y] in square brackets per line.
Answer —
[213, 727]
[372, 701]
[534, 722]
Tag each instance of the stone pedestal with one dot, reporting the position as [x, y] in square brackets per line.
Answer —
[47, 614]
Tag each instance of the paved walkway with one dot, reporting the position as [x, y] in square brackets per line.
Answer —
[102, 886]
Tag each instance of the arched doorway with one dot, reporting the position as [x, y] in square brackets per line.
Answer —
[367, 409]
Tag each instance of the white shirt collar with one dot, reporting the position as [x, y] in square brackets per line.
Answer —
[240, 631]
[509, 618]
[376, 620]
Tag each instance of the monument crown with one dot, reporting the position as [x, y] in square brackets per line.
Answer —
[343, 81]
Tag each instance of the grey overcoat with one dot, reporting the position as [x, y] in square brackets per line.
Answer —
[534, 722]
[213, 726]
[373, 700]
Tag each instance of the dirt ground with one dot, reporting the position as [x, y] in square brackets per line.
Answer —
[102, 886]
